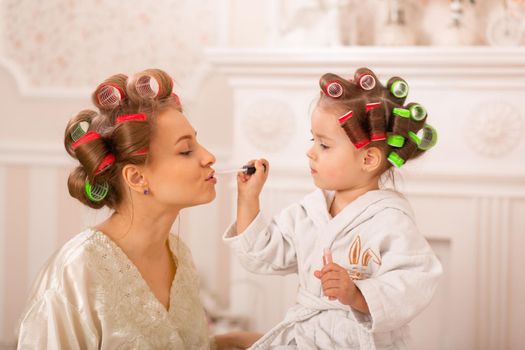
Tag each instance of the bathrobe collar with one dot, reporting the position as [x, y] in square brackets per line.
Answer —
[317, 205]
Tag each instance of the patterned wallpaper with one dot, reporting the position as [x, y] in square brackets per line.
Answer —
[68, 43]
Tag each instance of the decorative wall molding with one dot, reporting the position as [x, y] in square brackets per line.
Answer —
[269, 124]
[429, 67]
[34, 154]
[54, 50]
[494, 128]
[493, 266]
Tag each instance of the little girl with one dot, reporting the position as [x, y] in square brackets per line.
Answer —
[365, 271]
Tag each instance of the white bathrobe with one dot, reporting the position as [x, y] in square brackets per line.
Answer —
[375, 238]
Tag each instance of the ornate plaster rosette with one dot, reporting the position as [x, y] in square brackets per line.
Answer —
[493, 128]
[268, 124]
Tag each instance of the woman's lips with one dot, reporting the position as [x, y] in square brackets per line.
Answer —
[211, 178]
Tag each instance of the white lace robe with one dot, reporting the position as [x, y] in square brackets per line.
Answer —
[91, 296]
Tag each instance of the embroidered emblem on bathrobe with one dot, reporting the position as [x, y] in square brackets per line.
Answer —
[360, 271]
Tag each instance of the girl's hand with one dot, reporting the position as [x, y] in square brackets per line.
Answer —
[337, 284]
[236, 340]
[249, 187]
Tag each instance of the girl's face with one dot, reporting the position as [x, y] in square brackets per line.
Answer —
[335, 163]
[179, 171]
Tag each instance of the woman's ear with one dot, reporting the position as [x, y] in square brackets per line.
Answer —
[134, 178]
[372, 159]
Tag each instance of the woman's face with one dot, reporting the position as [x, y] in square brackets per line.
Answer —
[179, 171]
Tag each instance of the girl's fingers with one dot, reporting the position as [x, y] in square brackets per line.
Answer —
[262, 165]
[332, 267]
[332, 284]
[331, 293]
[331, 276]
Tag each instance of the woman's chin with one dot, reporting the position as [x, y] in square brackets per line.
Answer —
[206, 198]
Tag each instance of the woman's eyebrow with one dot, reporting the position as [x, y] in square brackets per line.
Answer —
[184, 137]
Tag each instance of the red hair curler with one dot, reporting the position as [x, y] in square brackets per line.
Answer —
[105, 163]
[131, 117]
[92, 135]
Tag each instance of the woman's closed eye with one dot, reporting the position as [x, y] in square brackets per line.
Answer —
[186, 153]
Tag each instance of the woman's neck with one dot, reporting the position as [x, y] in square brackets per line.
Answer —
[344, 197]
[141, 235]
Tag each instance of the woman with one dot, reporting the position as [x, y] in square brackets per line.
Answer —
[127, 282]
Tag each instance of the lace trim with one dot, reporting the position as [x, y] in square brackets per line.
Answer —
[124, 299]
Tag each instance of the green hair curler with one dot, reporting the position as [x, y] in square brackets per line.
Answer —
[418, 112]
[401, 112]
[396, 159]
[425, 139]
[399, 89]
[96, 192]
[79, 130]
[395, 141]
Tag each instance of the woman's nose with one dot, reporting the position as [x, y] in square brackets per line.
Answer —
[208, 158]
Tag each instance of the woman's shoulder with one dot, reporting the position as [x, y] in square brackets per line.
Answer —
[70, 254]
[65, 270]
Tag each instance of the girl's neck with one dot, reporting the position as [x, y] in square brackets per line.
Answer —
[344, 197]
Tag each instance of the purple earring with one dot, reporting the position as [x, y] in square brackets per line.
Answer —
[146, 191]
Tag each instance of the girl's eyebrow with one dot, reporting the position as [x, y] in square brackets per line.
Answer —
[321, 136]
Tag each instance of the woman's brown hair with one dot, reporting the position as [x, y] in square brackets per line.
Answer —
[375, 114]
[107, 143]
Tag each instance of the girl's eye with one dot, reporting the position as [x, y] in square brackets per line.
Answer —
[324, 146]
[312, 139]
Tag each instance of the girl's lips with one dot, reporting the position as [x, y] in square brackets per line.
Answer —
[313, 171]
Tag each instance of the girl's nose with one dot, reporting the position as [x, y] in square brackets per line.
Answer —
[310, 154]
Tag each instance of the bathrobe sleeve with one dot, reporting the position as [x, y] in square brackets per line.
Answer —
[266, 247]
[52, 322]
[406, 280]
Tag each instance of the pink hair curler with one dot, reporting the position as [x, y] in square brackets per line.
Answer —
[147, 86]
[367, 82]
[109, 95]
[334, 89]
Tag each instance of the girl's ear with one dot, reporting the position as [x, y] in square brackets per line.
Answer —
[372, 159]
